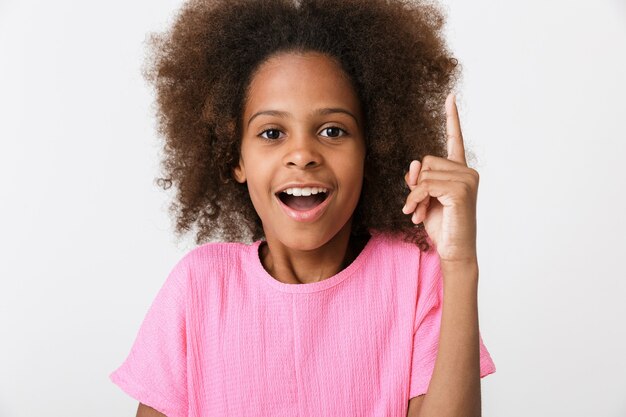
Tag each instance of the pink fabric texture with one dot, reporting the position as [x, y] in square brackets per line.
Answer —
[225, 338]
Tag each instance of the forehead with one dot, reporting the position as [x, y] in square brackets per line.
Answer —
[289, 80]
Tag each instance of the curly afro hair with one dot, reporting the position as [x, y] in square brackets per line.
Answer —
[393, 51]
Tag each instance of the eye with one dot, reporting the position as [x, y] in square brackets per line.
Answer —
[335, 129]
[274, 134]
[272, 137]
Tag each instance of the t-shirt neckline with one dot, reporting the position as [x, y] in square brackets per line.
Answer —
[259, 271]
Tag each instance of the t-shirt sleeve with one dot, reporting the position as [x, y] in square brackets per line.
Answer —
[155, 371]
[427, 326]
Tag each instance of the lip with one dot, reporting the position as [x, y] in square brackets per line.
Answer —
[302, 185]
[305, 216]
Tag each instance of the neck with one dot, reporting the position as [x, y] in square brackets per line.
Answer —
[294, 266]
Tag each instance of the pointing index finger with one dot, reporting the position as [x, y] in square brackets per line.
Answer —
[454, 137]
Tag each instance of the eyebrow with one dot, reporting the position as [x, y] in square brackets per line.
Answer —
[322, 112]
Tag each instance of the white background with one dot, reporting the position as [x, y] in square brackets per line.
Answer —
[86, 241]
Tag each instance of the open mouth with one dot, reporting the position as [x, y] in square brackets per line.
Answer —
[302, 203]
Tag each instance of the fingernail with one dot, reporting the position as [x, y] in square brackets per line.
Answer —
[404, 209]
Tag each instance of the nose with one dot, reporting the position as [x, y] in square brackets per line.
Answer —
[302, 152]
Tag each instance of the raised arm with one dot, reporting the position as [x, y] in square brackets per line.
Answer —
[146, 411]
[415, 404]
[454, 388]
[443, 196]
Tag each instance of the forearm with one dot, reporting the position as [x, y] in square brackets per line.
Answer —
[454, 389]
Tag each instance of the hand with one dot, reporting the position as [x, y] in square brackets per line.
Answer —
[443, 195]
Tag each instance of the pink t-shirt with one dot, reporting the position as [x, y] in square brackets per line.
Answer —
[225, 338]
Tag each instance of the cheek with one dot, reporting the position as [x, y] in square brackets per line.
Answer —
[354, 164]
[260, 202]
[259, 183]
[352, 177]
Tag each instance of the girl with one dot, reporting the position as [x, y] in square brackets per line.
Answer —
[288, 128]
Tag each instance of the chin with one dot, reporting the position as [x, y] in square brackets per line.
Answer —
[304, 241]
[306, 238]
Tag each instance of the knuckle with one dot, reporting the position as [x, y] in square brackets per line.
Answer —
[466, 189]
[473, 178]
[415, 195]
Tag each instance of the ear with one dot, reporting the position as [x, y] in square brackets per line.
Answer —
[239, 172]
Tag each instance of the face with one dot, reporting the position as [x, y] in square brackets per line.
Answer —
[291, 138]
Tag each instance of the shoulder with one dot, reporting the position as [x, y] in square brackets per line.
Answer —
[397, 242]
[391, 255]
[394, 243]
[209, 266]
[214, 259]
[397, 253]
[217, 248]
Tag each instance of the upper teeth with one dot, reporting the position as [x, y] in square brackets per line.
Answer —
[305, 191]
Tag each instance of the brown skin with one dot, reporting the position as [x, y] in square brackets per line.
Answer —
[454, 388]
[393, 51]
[396, 57]
[415, 404]
[443, 192]
[147, 411]
[305, 147]
[443, 196]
